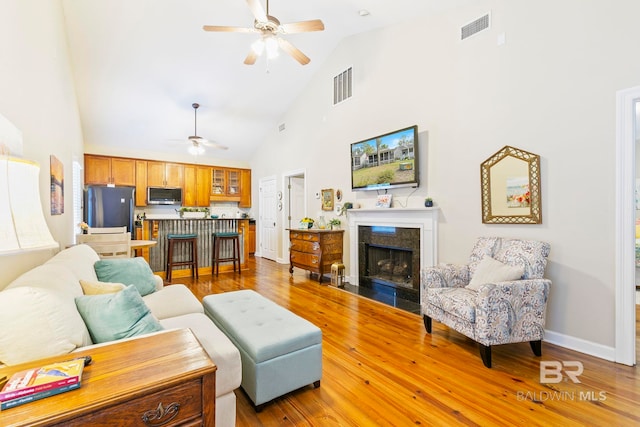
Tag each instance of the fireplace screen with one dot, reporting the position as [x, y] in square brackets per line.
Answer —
[390, 264]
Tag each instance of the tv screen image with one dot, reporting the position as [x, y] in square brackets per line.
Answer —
[386, 161]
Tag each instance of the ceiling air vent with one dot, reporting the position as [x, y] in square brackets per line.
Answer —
[343, 86]
[281, 127]
[475, 27]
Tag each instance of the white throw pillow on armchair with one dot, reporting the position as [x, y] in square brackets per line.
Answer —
[490, 270]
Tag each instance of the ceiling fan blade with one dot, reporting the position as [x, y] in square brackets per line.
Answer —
[251, 58]
[303, 26]
[227, 29]
[257, 10]
[293, 51]
[198, 140]
[213, 144]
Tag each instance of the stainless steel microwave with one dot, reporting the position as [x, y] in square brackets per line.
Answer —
[164, 196]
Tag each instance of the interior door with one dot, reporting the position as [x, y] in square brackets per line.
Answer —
[296, 200]
[267, 216]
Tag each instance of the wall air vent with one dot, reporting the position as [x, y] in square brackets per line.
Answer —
[475, 27]
[343, 86]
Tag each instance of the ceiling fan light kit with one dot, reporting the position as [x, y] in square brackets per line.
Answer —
[196, 149]
[270, 28]
[268, 43]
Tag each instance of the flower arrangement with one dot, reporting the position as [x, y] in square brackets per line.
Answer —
[334, 223]
[84, 227]
[306, 222]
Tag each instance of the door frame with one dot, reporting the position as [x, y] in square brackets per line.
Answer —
[625, 309]
[285, 209]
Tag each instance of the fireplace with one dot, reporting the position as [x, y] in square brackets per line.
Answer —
[389, 247]
[389, 259]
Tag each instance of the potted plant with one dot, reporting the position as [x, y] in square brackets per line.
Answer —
[428, 202]
[193, 212]
[334, 223]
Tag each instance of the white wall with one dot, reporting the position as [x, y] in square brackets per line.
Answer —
[37, 96]
[550, 89]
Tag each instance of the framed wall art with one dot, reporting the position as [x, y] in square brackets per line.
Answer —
[327, 199]
[511, 187]
[57, 186]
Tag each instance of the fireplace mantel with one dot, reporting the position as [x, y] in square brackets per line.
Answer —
[425, 219]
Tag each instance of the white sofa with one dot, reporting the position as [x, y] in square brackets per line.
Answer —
[40, 315]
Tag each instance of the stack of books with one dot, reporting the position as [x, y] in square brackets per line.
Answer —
[38, 383]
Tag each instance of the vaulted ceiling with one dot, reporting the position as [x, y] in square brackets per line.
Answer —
[139, 65]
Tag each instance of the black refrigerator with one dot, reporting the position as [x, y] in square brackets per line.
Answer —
[109, 206]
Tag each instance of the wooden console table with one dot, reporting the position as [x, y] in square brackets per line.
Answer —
[165, 379]
[315, 250]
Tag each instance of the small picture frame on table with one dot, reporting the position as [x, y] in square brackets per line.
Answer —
[384, 201]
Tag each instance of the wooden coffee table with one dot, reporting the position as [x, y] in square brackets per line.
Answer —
[163, 379]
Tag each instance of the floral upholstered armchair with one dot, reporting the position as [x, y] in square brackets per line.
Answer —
[499, 297]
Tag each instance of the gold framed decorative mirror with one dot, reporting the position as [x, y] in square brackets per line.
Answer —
[511, 187]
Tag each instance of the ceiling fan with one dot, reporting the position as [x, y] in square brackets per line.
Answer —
[197, 142]
[270, 28]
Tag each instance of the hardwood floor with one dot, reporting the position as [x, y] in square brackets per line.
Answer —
[380, 368]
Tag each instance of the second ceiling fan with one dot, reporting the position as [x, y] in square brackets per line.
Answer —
[270, 29]
[197, 143]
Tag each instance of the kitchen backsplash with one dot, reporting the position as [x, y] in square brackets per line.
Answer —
[223, 210]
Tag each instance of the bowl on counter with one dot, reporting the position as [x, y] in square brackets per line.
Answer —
[214, 216]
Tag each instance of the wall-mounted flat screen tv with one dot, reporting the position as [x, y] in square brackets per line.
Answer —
[386, 161]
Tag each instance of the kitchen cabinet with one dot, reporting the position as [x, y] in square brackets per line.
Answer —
[252, 237]
[231, 185]
[104, 170]
[225, 184]
[201, 184]
[245, 188]
[162, 174]
[141, 183]
[196, 186]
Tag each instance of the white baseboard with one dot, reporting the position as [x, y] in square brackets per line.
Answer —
[580, 345]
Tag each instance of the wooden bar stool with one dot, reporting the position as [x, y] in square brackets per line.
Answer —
[218, 239]
[192, 262]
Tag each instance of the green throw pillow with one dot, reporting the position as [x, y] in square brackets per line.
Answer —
[111, 317]
[130, 271]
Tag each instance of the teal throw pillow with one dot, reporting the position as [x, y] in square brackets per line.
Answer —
[130, 271]
[111, 317]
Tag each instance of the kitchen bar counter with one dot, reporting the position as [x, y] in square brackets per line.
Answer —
[158, 229]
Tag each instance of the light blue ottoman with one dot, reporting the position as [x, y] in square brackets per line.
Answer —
[280, 351]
